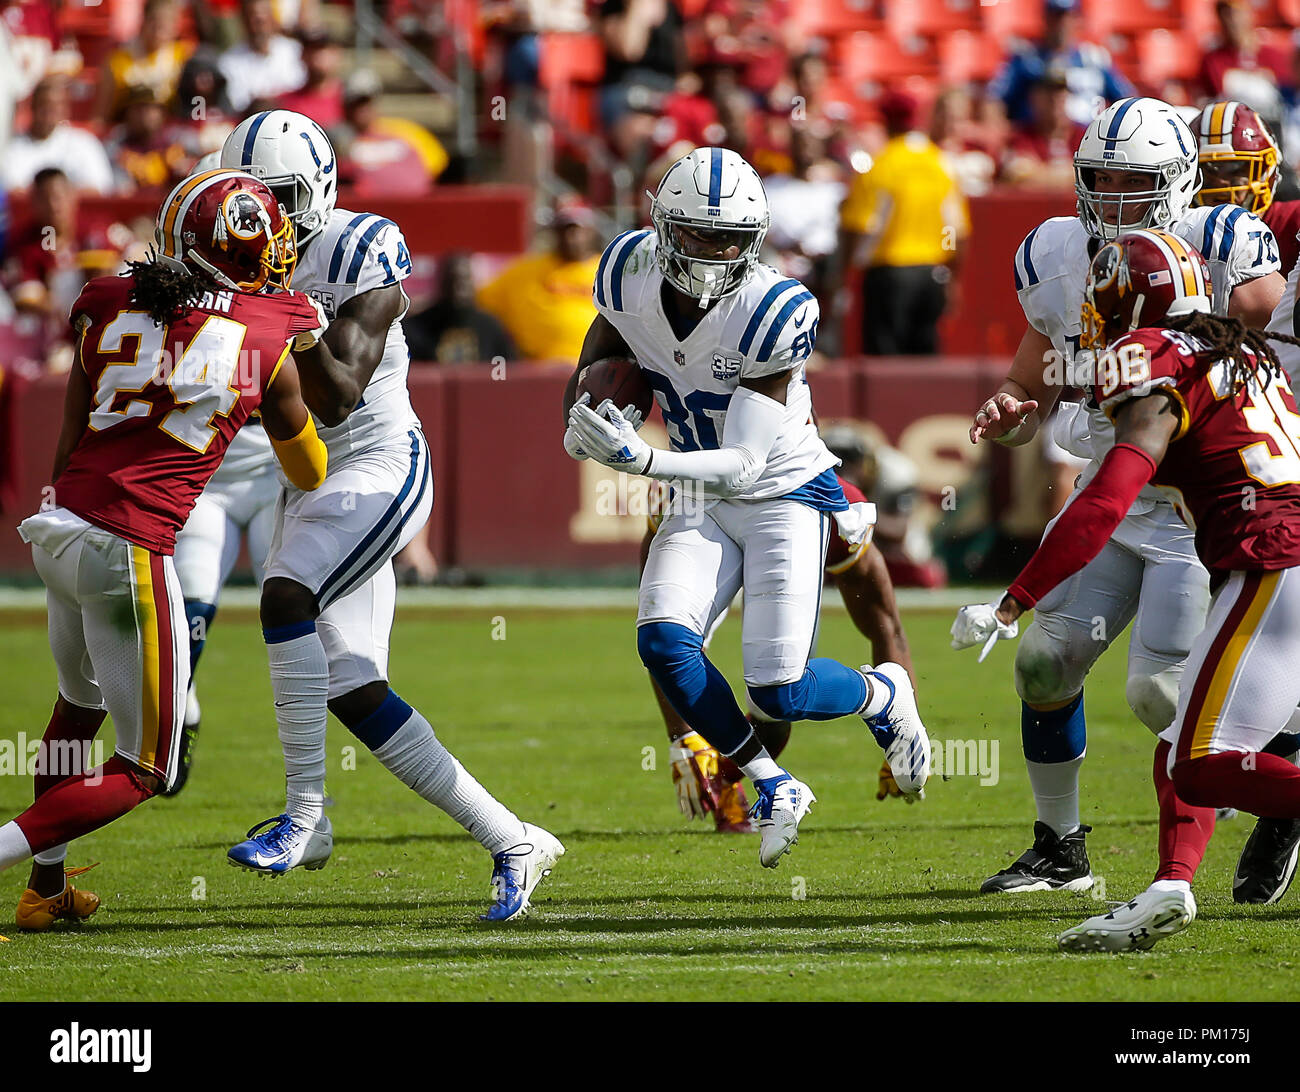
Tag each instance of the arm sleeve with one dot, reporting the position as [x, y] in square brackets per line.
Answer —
[752, 426]
[1083, 528]
[304, 458]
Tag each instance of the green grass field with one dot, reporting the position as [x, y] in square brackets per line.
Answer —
[876, 901]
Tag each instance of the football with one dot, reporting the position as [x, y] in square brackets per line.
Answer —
[620, 379]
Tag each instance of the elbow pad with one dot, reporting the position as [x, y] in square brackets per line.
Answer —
[304, 458]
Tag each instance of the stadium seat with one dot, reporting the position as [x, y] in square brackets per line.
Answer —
[967, 56]
[1103, 18]
[1005, 19]
[1165, 55]
[930, 17]
[570, 66]
[878, 58]
[832, 18]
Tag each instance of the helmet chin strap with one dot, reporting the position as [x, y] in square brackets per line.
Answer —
[710, 279]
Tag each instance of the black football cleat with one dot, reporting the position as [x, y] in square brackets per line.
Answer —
[1267, 863]
[189, 738]
[1050, 864]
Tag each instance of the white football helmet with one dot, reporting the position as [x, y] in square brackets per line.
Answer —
[293, 156]
[714, 197]
[1136, 135]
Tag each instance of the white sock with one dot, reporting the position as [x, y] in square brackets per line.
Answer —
[761, 766]
[416, 757]
[1170, 885]
[300, 685]
[878, 695]
[1056, 793]
[54, 855]
[13, 846]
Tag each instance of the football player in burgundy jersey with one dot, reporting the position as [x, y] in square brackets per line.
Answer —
[707, 781]
[1239, 166]
[1202, 410]
[172, 359]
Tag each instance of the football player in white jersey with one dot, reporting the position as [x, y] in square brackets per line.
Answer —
[328, 597]
[238, 501]
[723, 339]
[1136, 167]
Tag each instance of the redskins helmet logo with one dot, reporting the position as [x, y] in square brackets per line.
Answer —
[1106, 266]
[244, 217]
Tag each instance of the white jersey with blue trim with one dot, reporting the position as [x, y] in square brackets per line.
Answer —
[357, 252]
[768, 325]
[1051, 272]
[249, 455]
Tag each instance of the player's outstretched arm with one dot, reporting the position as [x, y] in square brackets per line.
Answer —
[755, 416]
[293, 435]
[1253, 301]
[1012, 415]
[1144, 427]
[76, 416]
[336, 371]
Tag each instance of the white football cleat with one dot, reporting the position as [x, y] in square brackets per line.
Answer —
[518, 870]
[1157, 913]
[898, 729]
[285, 845]
[782, 802]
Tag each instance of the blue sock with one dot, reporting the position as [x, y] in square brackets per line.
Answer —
[827, 690]
[200, 617]
[380, 726]
[674, 655]
[1059, 735]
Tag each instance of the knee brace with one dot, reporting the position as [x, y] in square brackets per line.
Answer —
[1047, 670]
[1154, 697]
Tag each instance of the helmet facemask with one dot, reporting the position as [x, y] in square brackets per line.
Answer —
[1154, 201]
[684, 241]
[1254, 192]
[295, 196]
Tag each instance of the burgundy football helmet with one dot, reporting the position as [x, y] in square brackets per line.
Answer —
[228, 226]
[1239, 157]
[1143, 278]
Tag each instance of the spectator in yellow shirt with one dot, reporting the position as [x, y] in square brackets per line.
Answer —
[906, 221]
[153, 60]
[544, 300]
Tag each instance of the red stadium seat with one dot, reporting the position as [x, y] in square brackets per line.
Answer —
[569, 68]
[1164, 55]
[930, 17]
[1012, 18]
[1103, 18]
[571, 58]
[831, 18]
[877, 58]
[967, 56]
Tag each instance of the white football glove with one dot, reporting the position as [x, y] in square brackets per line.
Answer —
[978, 623]
[631, 414]
[573, 446]
[856, 523]
[308, 338]
[610, 439]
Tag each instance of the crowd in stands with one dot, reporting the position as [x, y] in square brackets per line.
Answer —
[872, 122]
[101, 101]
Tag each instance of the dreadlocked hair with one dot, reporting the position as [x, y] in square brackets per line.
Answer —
[1247, 351]
[164, 291]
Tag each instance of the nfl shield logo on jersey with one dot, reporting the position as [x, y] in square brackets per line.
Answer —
[725, 365]
[679, 358]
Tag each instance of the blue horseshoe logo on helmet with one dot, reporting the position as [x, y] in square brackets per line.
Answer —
[323, 169]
